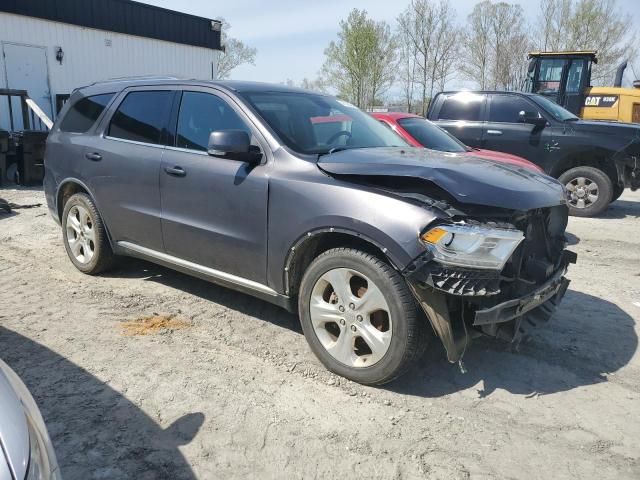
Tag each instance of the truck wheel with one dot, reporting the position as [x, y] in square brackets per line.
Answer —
[591, 191]
[85, 238]
[359, 316]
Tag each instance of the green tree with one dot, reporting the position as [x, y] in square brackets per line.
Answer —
[360, 64]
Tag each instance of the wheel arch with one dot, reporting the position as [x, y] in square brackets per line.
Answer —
[600, 159]
[66, 190]
[318, 241]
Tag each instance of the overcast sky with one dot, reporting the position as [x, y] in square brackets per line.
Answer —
[291, 35]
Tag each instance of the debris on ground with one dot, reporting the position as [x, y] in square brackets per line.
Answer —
[153, 325]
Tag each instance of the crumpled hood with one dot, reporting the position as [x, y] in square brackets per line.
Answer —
[468, 179]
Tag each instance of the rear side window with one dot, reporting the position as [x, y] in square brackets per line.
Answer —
[431, 136]
[201, 114]
[84, 113]
[142, 116]
[506, 108]
[462, 106]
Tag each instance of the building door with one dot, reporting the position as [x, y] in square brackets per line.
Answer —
[26, 69]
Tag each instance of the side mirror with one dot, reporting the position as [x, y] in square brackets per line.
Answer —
[233, 144]
[533, 118]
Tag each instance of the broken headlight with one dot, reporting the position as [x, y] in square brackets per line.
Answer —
[472, 246]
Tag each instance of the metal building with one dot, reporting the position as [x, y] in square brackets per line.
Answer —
[51, 47]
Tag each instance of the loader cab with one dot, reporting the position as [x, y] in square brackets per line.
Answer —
[562, 77]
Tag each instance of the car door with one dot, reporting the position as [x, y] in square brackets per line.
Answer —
[504, 130]
[462, 114]
[121, 165]
[214, 210]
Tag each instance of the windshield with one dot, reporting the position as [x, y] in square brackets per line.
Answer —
[554, 109]
[317, 124]
[431, 136]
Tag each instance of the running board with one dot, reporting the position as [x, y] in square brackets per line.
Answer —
[209, 273]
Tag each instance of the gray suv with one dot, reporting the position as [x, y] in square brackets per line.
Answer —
[303, 200]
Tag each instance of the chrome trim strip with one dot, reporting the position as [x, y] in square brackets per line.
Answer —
[133, 142]
[187, 150]
[216, 274]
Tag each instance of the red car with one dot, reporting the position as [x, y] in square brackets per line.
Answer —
[419, 132]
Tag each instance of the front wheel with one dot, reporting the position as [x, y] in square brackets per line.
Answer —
[359, 316]
[590, 189]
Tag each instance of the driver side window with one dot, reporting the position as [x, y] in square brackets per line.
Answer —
[202, 113]
[507, 108]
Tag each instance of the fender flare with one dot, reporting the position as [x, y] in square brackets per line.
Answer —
[393, 260]
[69, 180]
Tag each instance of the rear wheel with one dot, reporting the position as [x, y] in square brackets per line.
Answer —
[590, 189]
[359, 316]
[85, 237]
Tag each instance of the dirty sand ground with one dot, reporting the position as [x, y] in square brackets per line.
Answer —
[238, 394]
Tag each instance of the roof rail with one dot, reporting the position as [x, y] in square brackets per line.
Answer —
[131, 78]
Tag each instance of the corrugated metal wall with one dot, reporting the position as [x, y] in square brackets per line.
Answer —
[122, 16]
[91, 55]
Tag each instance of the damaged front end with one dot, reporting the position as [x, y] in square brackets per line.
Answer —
[512, 279]
[494, 260]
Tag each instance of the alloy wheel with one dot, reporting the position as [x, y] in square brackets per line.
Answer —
[81, 235]
[350, 317]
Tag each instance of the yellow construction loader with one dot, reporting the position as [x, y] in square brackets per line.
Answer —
[565, 78]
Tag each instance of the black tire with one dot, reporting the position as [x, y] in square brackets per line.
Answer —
[604, 190]
[103, 256]
[617, 192]
[409, 334]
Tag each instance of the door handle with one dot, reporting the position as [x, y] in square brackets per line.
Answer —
[96, 157]
[494, 132]
[175, 171]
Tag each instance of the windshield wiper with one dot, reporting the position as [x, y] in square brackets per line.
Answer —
[334, 150]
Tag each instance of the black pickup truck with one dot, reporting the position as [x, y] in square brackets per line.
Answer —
[595, 160]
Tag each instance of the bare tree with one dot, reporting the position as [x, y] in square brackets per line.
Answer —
[234, 54]
[589, 25]
[553, 24]
[306, 83]
[317, 85]
[495, 46]
[408, 71]
[476, 45]
[430, 30]
[447, 47]
[510, 46]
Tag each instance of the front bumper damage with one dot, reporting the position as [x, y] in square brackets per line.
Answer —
[463, 303]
